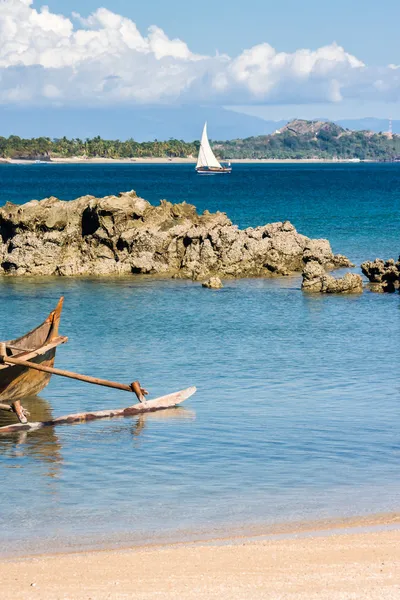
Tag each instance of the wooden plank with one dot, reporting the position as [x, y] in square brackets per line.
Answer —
[10, 360]
[20, 349]
[31, 354]
[148, 406]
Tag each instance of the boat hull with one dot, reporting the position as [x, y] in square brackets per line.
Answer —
[206, 171]
[38, 346]
[17, 382]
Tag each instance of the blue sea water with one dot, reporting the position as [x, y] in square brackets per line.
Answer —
[296, 414]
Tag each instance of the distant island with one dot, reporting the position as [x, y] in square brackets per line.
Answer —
[302, 139]
[298, 140]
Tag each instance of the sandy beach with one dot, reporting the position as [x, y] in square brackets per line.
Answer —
[355, 561]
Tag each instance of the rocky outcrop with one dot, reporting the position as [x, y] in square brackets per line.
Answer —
[315, 279]
[125, 234]
[320, 251]
[383, 275]
[214, 283]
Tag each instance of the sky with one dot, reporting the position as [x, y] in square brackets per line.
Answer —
[276, 60]
[366, 28]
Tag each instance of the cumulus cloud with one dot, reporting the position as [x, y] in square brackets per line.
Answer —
[104, 58]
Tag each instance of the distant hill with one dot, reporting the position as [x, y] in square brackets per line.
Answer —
[301, 127]
[140, 123]
[313, 139]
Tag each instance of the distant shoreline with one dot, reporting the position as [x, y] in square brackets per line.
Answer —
[174, 161]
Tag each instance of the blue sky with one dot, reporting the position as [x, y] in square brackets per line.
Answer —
[271, 59]
[366, 28]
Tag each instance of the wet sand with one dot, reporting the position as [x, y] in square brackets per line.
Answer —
[354, 560]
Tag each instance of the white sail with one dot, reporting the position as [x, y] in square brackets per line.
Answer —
[206, 156]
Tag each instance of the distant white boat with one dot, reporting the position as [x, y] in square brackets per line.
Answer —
[207, 164]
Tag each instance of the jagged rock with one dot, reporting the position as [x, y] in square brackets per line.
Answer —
[214, 283]
[315, 279]
[383, 275]
[125, 234]
[339, 261]
[320, 251]
[313, 273]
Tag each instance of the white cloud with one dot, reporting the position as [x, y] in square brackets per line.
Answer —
[50, 58]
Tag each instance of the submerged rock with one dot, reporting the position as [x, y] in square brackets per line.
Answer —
[383, 275]
[213, 283]
[315, 279]
[125, 234]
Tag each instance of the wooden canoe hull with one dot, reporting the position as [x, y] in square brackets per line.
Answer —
[38, 346]
[18, 382]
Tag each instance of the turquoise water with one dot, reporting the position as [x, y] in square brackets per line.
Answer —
[297, 410]
[355, 206]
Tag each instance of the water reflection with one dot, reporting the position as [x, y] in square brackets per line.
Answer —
[44, 445]
[168, 414]
[116, 427]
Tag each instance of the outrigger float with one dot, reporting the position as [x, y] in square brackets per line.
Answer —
[27, 364]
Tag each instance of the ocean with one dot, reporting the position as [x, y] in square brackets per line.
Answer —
[297, 409]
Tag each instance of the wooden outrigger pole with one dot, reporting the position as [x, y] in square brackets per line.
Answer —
[133, 387]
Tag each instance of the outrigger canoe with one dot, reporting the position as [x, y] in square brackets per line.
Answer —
[39, 347]
[27, 364]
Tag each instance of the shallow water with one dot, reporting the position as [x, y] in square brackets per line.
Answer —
[296, 415]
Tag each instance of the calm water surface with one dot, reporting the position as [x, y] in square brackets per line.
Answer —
[297, 410]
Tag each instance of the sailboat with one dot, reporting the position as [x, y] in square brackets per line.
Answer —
[207, 164]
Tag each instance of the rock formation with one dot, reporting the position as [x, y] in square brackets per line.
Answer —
[214, 283]
[125, 234]
[315, 279]
[383, 275]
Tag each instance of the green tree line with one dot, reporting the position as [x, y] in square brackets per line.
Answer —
[43, 147]
[330, 142]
